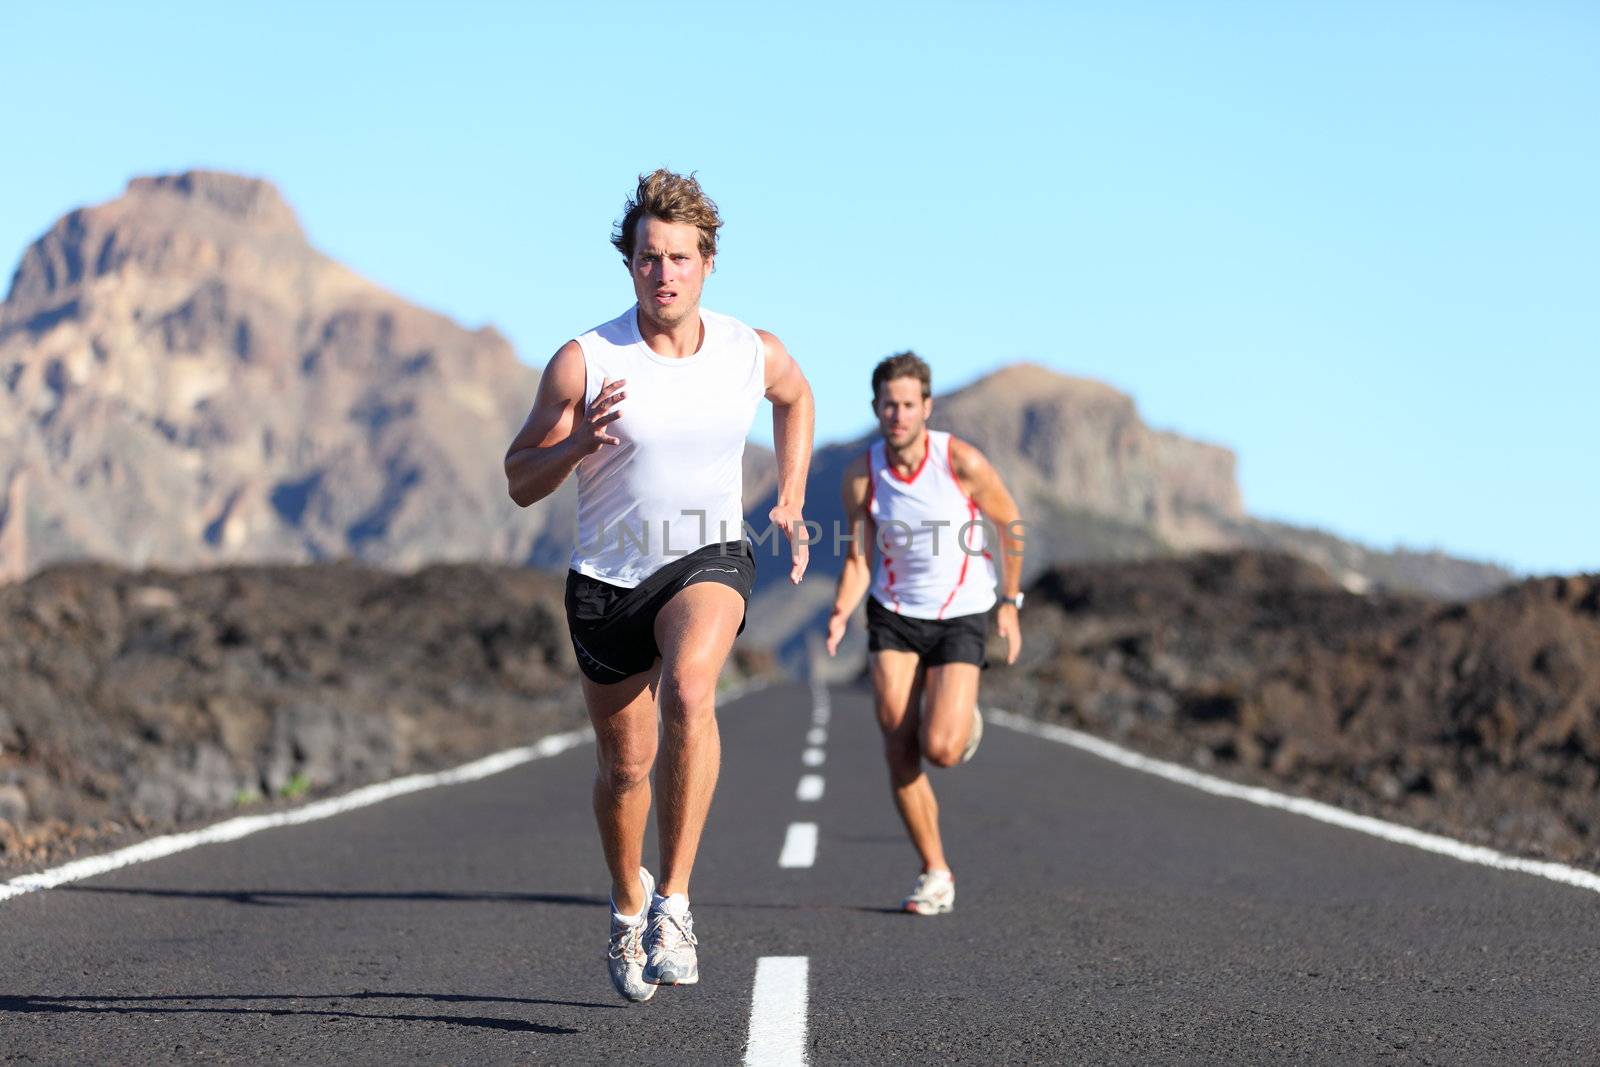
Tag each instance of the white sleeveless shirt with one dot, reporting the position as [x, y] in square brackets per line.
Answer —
[932, 560]
[675, 483]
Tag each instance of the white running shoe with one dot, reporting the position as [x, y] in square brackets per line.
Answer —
[671, 944]
[934, 894]
[975, 736]
[625, 956]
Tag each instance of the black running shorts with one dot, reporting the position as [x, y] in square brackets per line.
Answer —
[937, 641]
[613, 628]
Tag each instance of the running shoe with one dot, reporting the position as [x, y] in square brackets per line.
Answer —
[625, 956]
[671, 944]
[975, 736]
[934, 894]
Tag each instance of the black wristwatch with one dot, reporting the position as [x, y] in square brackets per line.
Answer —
[1014, 601]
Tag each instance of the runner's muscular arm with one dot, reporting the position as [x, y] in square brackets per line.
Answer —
[856, 574]
[558, 433]
[793, 423]
[982, 483]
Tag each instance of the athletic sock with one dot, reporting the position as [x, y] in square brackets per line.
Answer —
[676, 904]
[630, 920]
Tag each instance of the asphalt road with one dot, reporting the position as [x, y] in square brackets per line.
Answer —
[1103, 916]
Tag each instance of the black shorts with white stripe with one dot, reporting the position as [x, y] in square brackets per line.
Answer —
[937, 641]
[613, 627]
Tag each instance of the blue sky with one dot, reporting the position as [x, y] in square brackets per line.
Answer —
[1358, 243]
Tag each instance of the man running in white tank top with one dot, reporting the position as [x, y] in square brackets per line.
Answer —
[652, 410]
[915, 498]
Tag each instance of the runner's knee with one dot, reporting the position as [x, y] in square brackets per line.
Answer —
[626, 767]
[894, 716]
[941, 750]
[689, 692]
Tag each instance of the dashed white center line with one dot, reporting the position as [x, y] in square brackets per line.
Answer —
[810, 787]
[799, 845]
[821, 714]
[816, 736]
[778, 1013]
[813, 757]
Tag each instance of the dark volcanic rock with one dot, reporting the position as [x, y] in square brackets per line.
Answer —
[142, 700]
[1479, 719]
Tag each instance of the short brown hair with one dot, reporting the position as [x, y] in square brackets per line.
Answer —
[671, 198]
[903, 365]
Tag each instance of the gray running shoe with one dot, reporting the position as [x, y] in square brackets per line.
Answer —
[671, 945]
[975, 736]
[934, 894]
[625, 956]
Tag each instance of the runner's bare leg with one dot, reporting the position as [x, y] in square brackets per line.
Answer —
[951, 694]
[695, 632]
[624, 719]
[897, 684]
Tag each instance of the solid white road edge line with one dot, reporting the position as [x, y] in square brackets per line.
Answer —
[799, 845]
[245, 825]
[1311, 809]
[810, 787]
[778, 1013]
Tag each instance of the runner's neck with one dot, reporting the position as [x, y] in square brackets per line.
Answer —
[905, 461]
[679, 341]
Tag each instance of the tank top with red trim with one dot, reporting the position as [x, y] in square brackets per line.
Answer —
[933, 562]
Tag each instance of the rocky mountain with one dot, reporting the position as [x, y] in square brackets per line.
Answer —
[188, 381]
[1064, 441]
[1106, 486]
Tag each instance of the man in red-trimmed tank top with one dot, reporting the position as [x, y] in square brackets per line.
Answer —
[920, 499]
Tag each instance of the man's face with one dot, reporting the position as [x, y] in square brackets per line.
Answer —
[668, 270]
[902, 412]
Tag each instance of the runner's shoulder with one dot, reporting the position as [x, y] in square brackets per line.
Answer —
[769, 342]
[965, 458]
[565, 374]
[785, 381]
